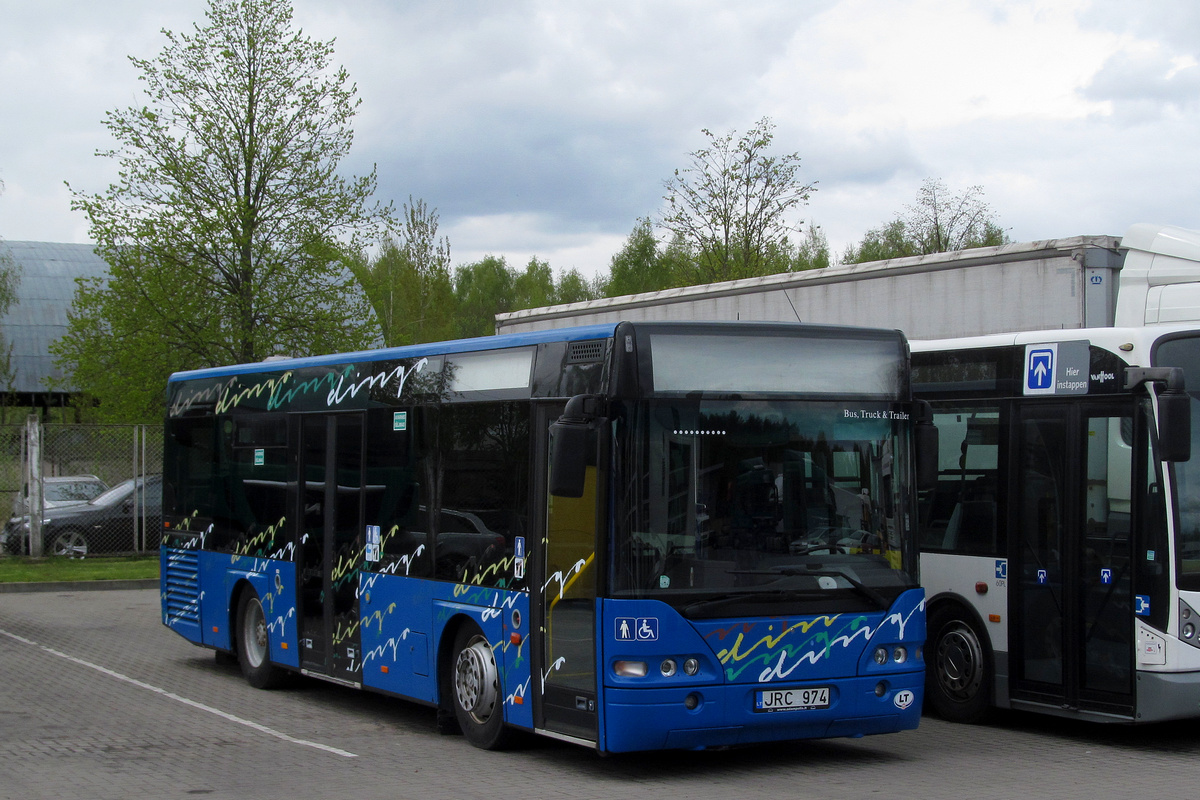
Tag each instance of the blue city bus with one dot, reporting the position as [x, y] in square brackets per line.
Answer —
[629, 536]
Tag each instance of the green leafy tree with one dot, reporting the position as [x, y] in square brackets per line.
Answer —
[489, 287]
[482, 290]
[409, 284]
[10, 279]
[226, 228]
[534, 287]
[640, 265]
[937, 223]
[812, 252]
[10, 274]
[572, 287]
[732, 206]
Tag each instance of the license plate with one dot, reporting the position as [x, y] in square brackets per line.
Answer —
[767, 700]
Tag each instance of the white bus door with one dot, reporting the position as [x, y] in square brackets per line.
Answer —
[331, 544]
[1071, 599]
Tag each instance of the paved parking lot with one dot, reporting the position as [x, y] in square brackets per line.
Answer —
[98, 700]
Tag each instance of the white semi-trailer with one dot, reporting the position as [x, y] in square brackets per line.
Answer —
[1149, 276]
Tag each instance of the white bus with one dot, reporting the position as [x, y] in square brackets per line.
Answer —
[1061, 547]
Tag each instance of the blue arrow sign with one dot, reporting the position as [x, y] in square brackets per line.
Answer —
[1041, 370]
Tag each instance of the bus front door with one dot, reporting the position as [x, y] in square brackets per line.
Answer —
[563, 602]
[1070, 584]
[330, 544]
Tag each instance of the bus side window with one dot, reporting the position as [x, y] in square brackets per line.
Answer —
[393, 494]
[960, 514]
[483, 471]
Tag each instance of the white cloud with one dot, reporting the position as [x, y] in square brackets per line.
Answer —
[542, 128]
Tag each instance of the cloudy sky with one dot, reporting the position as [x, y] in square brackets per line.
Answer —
[547, 128]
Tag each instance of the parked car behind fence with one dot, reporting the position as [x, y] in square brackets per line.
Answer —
[125, 518]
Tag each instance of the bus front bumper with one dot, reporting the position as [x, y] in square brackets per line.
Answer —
[724, 715]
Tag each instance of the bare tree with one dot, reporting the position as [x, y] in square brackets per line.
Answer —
[732, 206]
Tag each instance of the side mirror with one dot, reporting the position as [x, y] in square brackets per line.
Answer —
[568, 458]
[925, 439]
[1174, 409]
[1174, 426]
[573, 445]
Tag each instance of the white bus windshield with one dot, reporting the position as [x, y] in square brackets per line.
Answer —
[1184, 351]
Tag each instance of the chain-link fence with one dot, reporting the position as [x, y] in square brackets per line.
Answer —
[80, 489]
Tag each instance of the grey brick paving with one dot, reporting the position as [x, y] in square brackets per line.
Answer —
[70, 730]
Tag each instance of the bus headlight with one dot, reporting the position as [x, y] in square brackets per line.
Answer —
[1188, 619]
[630, 669]
[668, 667]
[897, 654]
[691, 666]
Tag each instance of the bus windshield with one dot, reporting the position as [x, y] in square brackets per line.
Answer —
[1184, 351]
[761, 507]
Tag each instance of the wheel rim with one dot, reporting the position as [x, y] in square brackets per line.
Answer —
[71, 544]
[959, 662]
[254, 633]
[476, 679]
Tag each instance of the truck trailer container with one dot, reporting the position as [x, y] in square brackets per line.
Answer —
[1150, 275]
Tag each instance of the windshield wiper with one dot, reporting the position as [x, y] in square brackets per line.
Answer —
[791, 572]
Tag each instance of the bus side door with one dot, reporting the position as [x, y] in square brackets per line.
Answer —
[563, 603]
[330, 544]
[1070, 574]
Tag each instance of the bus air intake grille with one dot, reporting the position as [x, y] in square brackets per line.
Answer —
[181, 592]
[587, 352]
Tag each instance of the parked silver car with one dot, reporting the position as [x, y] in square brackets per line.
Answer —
[59, 491]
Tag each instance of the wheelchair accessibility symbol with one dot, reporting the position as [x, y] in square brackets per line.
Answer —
[639, 629]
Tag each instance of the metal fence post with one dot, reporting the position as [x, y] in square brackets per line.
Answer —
[137, 504]
[140, 437]
[33, 482]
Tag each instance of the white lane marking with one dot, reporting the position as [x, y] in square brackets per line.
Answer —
[141, 685]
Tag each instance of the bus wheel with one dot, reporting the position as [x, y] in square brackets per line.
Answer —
[253, 644]
[476, 691]
[958, 674]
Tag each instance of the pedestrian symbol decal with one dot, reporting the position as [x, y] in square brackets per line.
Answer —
[636, 629]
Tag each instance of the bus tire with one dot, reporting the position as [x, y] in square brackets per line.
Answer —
[958, 676]
[475, 690]
[253, 644]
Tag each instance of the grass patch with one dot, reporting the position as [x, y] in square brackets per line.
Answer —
[19, 569]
